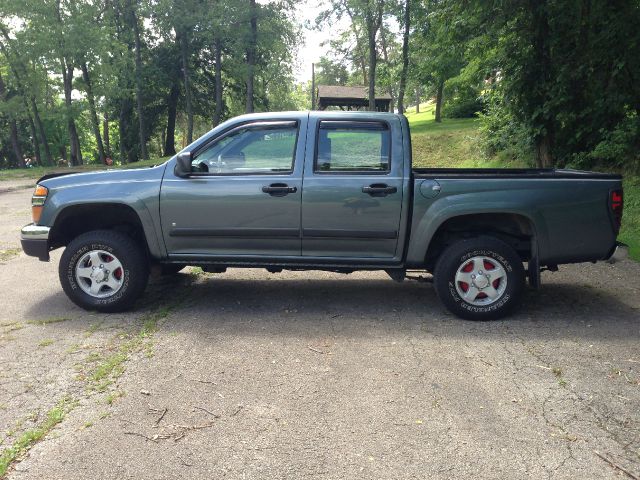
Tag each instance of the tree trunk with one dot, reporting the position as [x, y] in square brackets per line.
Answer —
[105, 134]
[74, 141]
[544, 142]
[217, 114]
[92, 111]
[417, 99]
[63, 154]
[386, 60]
[142, 130]
[172, 110]
[15, 144]
[125, 111]
[544, 157]
[405, 57]
[439, 101]
[34, 137]
[184, 53]
[251, 54]
[373, 60]
[67, 80]
[43, 135]
[374, 23]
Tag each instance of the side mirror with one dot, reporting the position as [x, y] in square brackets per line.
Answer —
[183, 164]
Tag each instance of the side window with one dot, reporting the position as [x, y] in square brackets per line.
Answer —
[358, 147]
[252, 149]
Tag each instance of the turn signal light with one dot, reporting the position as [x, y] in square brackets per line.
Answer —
[40, 191]
[37, 202]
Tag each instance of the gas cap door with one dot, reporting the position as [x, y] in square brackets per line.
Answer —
[429, 188]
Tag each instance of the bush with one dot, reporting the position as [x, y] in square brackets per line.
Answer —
[462, 102]
[501, 134]
[620, 145]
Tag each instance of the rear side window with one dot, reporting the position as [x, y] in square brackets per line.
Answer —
[357, 147]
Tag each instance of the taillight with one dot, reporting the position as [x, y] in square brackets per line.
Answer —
[37, 202]
[616, 203]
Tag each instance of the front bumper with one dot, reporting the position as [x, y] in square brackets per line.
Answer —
[35, 241]
[620, 252]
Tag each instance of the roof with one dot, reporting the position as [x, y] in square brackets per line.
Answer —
[336, 91]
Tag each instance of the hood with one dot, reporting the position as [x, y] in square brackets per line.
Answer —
[72, 179]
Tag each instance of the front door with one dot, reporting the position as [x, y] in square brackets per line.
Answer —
[244, 196]
[352, 196]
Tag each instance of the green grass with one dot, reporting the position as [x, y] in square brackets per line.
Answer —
[29, 438]
[37, 172]
[452, 143]
[9, 253]
[630, 233]
[110, 367]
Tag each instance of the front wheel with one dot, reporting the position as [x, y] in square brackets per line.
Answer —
[480, 278]
[103, 270]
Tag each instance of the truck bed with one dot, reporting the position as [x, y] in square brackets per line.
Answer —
[511, 173]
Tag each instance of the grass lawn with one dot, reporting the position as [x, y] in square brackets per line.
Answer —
[37, 172]
[452, 143]
[630, 233]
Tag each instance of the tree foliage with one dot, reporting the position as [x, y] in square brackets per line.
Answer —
[83, 80]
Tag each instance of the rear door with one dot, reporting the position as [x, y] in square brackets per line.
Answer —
[352, 195]
[243, 198]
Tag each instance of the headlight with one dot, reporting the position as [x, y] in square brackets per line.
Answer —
[37, 202]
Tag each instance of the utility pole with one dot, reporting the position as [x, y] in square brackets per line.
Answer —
[313, 86]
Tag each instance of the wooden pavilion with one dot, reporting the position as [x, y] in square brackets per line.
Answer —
[349, 98]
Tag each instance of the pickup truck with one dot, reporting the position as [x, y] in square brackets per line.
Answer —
[331, 191]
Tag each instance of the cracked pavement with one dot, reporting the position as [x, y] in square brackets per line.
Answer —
[311, 374]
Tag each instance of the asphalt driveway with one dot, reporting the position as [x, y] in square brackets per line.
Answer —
[310, 374]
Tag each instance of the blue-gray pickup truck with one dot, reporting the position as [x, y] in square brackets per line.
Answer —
[329, 191]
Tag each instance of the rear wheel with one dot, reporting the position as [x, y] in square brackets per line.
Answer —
[480, 278]
[103, 270]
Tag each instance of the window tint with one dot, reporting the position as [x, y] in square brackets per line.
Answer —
[353, 147]
[254, 149]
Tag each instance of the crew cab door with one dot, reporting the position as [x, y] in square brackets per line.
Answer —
[243, 197]
[353, 189]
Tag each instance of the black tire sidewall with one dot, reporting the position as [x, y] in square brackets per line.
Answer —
[461, 252]
[134, 270]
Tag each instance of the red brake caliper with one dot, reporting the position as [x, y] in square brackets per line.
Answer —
[489, 266]
[117, 273]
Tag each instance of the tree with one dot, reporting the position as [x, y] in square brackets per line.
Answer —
[405, 55]
[366, 20]
[136, 77]
[251, 52]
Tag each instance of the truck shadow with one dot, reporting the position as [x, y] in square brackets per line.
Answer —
[298, 305]
[353, 306]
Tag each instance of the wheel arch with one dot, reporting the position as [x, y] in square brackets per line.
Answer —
[76, 219]
[514, 228]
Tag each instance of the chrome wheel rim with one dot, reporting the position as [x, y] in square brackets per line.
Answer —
[481, 281]
[99, 274]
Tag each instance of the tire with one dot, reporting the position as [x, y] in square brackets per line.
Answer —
[480, 279]
[171, 268]
[86, 278]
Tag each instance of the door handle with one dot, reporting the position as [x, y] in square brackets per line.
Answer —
[279, 189]
[379, 190]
